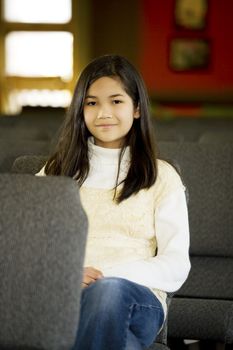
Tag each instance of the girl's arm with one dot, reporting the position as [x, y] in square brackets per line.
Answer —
[169, 269]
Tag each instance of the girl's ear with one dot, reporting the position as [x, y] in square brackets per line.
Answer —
[137, 113]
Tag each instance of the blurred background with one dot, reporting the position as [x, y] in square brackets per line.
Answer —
[183, 49]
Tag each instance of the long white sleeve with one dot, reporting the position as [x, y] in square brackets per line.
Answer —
[169, 269]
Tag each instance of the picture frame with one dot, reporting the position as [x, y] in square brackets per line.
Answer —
[187, 54]
[191, 14]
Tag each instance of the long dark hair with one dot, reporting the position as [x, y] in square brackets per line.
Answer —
[71, 153]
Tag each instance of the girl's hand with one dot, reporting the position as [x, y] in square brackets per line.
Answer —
[90, 275]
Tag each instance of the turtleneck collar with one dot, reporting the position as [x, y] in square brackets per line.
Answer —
[106, 155]
[104, 166]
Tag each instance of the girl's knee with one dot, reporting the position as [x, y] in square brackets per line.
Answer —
[108, 286]
[108, 291]
[103, 299]
[112, 284]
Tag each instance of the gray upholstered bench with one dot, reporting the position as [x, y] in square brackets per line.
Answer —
[42, 240]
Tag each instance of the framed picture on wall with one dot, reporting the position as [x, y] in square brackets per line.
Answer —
[188, 54]
[191, 14]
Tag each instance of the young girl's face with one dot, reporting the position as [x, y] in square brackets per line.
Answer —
[109, 112]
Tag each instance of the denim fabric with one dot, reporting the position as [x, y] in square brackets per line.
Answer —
[117, 314]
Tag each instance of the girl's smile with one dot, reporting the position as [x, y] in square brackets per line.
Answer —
[109, 112]
[106, 126]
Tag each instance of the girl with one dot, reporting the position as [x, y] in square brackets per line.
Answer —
[138, 239]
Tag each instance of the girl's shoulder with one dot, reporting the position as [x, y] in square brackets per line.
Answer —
[168, 178]
[166, 168]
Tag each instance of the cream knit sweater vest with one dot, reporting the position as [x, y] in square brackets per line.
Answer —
[125, 232]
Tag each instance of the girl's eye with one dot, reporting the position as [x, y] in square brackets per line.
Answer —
[116, 102]
[91, 103]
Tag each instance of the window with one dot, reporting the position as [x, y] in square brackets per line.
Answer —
[43, 98]
[37, 11]
[39, 54]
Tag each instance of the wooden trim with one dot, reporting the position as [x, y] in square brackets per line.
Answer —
[15, 26]
[50, 83]
[3, 96]
[81, 27]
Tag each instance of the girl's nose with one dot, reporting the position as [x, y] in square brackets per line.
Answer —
[104, 115]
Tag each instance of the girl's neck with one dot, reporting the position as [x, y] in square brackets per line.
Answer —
[104, 166]
[106, 155]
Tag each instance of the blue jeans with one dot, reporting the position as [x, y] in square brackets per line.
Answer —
[117, 314]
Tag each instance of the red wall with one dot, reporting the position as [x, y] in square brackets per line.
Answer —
[157, 24]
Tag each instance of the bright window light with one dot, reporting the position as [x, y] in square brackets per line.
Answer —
[42, 98]
[37, 11]
[39, 54]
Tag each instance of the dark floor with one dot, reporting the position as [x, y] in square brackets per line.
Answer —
[175, 344]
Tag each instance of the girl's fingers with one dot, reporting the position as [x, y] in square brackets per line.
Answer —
[90, 275]
[88, 280]
[92, 272]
